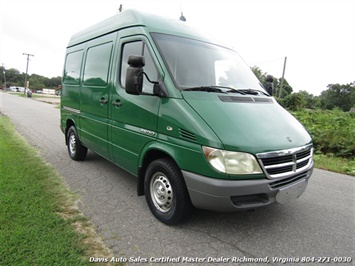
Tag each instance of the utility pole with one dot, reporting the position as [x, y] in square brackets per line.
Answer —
[283, 75]
[28, 59]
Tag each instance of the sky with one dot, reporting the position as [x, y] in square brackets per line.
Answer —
[316, 36]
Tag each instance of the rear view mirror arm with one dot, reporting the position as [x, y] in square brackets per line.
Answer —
[145, 74]
[158, 88]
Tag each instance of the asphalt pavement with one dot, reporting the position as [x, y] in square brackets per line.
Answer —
[317, 228]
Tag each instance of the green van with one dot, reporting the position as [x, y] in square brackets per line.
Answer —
[183, 114]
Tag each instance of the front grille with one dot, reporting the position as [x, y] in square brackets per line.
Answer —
[287, 181]
[286, 163]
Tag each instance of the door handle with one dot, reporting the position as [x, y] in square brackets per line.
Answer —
[117, 103]
[103, 101]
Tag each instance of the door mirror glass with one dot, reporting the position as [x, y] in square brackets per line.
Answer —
[134, 74]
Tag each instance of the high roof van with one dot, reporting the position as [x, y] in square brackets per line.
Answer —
[183, 114]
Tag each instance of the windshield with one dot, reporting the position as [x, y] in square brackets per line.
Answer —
[194, 63]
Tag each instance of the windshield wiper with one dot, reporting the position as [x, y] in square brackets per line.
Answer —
[204, 88]
[249, 91]
[224, 89]
[214, 88]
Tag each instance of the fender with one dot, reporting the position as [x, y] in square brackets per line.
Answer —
[69, 118]
[156, 146]
[157, 150]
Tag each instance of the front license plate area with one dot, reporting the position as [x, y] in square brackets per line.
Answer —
[292, 192]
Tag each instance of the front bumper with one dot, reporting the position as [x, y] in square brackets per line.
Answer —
[233, 195]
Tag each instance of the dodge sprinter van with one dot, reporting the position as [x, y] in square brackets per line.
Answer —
[183, 114]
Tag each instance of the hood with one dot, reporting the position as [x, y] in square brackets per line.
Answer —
[249, 123]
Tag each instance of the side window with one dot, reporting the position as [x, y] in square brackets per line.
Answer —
[132, 48]
[97, 65]
[139, 48]
[72, 68]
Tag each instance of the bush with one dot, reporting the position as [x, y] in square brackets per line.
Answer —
[333, 132]
[294, 102]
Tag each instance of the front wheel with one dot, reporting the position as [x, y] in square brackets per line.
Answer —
[166, 192]
[75, 149]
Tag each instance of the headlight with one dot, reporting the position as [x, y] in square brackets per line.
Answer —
[231, 162]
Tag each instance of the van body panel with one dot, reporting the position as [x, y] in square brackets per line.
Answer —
[247, 125]
[233, 195]
[121, 21]
[132, 120]
[94, 94]
[71, 83]
[133, 124]
[132, 19]
[187, 155]
[179, 120]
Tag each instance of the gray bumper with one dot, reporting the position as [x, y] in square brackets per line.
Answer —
[233, 195]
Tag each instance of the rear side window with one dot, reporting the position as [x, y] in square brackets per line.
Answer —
[139, 48]
[72, 67]
[97, 65]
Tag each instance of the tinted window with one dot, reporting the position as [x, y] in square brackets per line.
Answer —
[139, 48]
[72, 67]
[97, 65]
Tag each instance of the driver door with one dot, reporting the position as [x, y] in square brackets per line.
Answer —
[133, 117]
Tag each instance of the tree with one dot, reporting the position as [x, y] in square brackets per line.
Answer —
[259, 74]
[15, 78]
[338, 95]
[286, 88]
[2, 74]
[52, 82]
[36, 82]
[294, 102]
[311, 101]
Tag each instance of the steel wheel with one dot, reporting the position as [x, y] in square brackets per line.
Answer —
[166, 192]
[161, 192]
[75, 149]
[72, 144]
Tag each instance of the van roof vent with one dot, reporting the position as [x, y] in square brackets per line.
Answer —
[187, 135]
[245, 99]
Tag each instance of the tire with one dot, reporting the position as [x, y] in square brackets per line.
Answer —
[166, 192]
[75, 149]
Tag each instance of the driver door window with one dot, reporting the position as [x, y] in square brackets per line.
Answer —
[139, 48]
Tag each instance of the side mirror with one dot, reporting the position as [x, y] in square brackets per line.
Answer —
[269, 86]
[134, 75]
[159, 89]
[269, 78]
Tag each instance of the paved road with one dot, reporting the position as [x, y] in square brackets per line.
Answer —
[319, 224]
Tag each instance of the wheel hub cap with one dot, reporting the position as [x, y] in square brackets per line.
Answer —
[72, 144]
[161, 192]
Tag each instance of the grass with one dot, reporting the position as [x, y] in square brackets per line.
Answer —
[335, 164]
[34, 95]
[39, 223]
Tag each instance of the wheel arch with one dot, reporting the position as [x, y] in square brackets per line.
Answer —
[70, 122]
[150, 153]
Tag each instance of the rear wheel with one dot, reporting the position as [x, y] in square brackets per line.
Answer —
[75, 149]
[166, 192]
